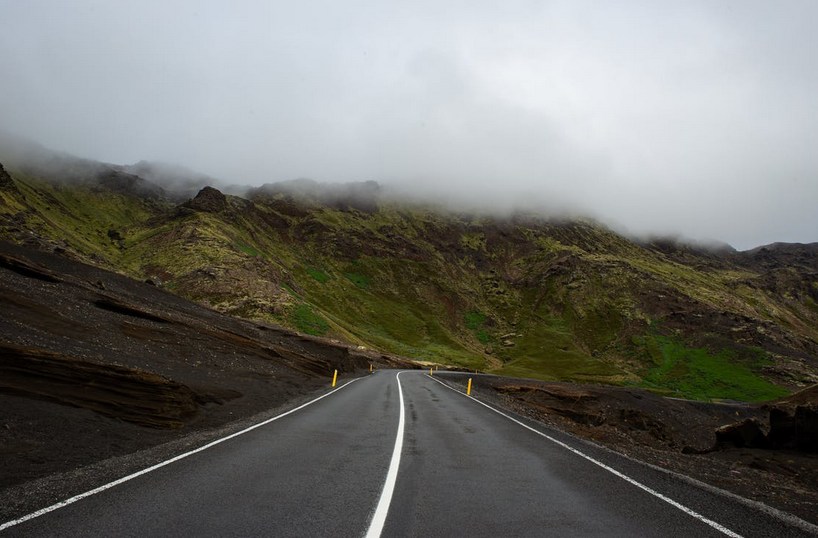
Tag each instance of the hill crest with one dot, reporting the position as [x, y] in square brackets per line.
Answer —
[520, 295]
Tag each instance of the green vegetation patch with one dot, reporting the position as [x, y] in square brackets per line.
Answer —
[361, 271]
[249, 250]
[699, 374]
[475, 321]
[81, 215]
[304, 318]
[560, 365]
[362, 281]
[473, 241]
[482, 336]
[402, 314]
[544, 349]
[318, 274]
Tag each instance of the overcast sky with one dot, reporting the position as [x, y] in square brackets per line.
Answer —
[697, 118]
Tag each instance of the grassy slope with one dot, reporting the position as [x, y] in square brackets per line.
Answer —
[697, 373]
[79, 216]
[543, 300]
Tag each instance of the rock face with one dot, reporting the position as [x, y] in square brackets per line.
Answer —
[209, 200]
[747, 433]
[129, 184]
[6, 182]
[794, 430]
[793, 425]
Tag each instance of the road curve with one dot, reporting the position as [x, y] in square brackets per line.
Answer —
[459, 468]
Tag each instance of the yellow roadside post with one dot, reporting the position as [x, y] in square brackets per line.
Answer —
[334, 377]
[431, 370]
[468, 388]
[370, 368]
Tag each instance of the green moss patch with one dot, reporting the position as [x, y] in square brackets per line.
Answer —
[247, 249]
[362, 281]
[475, 322]
[318, 275]
[304, 318]
[699, 374]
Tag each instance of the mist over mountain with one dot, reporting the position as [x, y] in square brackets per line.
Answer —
[180, 183]
[695, 119]
[523, 293]
[31, 157]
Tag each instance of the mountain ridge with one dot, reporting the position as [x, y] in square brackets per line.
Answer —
[517, 295]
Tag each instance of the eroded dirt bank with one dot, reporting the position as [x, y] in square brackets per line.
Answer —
[95, 365]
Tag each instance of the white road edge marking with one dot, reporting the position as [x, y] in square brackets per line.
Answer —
[379, 517]
[625, 477]
[102, 488]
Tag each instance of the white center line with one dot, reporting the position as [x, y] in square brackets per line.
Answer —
[625, 477]
[102, 488]
[379, 517]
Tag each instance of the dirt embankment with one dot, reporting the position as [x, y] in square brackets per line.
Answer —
[776, 463]
[95, 365]
[142, 398]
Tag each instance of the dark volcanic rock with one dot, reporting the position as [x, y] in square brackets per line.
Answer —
[6, 182]
[108, 389]
[209, 200]
[747, 433]
[793, 425]
[124, 183]
[778, 255]
[797, 430]
[360, 196]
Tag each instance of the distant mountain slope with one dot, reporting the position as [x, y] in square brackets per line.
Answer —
[521, 295]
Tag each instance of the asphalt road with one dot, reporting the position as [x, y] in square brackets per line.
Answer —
[458, 469]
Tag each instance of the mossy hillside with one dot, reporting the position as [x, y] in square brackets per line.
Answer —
[545, 349]
[306, 320]
[338, 292]
[399, 327]
[424, 273]
[80, 216]
[388, 307]
[186, 244]
[318, 274]
[10, 203]
[444, 287]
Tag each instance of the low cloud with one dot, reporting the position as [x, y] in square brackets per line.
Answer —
[697, 119]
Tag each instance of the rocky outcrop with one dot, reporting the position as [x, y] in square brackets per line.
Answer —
[209, 200]
[796, 429]
[6, 183]
[129, 184]
[745, 434]
[793, 425]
